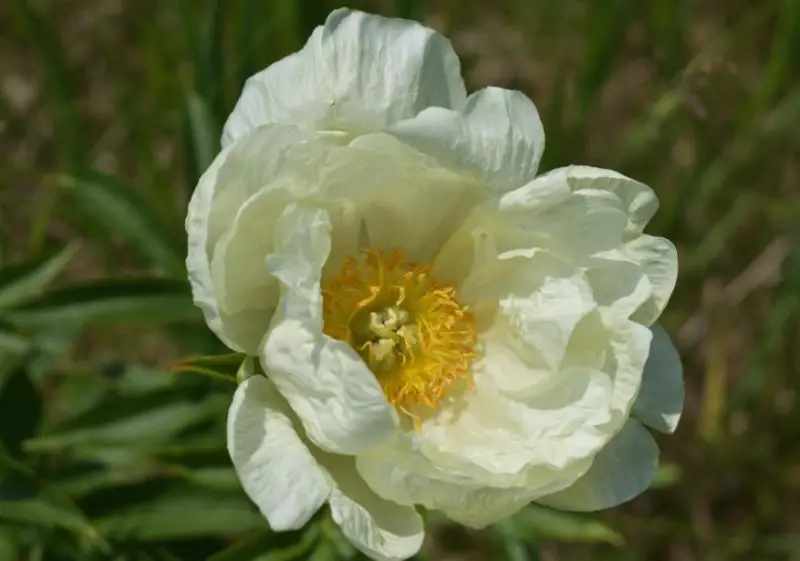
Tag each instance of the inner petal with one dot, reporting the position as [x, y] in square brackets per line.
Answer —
[409, 328]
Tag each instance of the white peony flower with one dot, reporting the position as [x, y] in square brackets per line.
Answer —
[438, 325]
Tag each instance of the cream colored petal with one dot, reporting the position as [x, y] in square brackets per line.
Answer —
[357, 73]
[638, 200]
[618, 282]
[403, 198]
[276, 469]
[660, 400]
[625, 358]
[381, 529]
[246, 293]
[562, 424]
[498, 137]
[338, 399]
[537, 300]
[198, 259]
[258, 163]
[659, 261]
[471, 503]
[621, 471]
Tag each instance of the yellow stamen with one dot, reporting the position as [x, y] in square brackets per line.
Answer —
[411, 330]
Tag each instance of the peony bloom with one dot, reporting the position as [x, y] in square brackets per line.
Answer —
[438, 325]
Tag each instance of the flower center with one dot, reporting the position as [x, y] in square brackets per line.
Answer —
[410, 329]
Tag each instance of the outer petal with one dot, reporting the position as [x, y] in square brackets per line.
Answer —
[382, 529]
[491, 433]
[255, 165]
[357, 73]
[535, 302]
[198, 261]
[470, 503]
[659, 261]
[498, 137]
[337, 398]
[622, 470]
[638, 200]
[276, 469]
[660, 399]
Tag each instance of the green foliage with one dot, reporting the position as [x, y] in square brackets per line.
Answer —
[104, 458]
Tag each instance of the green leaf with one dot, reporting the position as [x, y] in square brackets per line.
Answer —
[47, 514]
[136, 423]
[8, 544]
[120, 210]
[203, 135]
[109, 301]
[269, 546]
[181, 514]
[222, 478]
[44, 507]
[537, 522]
[13, 344]
[222, 367]
[26, 280]
[20, 410]
[513, 547]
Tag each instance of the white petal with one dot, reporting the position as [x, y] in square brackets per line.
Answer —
[535, 299]
[659, 261]
[403, 198]
[472, 504]
[255, 165]
[198, 262]
[379, 528]
[338, 399]
[581, 225]
[357, 73]
[618, 282]
[498, 137]
[628, 347]
[558, 426]
[621, 471]
[660, 399]
[638, 200]
[276, 469]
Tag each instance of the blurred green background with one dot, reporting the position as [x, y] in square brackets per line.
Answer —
[110, 110]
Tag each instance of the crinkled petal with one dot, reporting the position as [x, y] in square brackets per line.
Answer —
[357, 73]
[268, 159]
[276, 469]
[625, 358]
[638, 200]
[579, 226]
[338, 399]
[472, 504]
[382, 529]
[621, 471]
[403, 198]
[535, 301]
[498, 136]
[558, 426]
[659, 261]
[198, 260]
[660, 400]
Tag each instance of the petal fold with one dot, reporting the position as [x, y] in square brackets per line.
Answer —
[660, 400]
[338, 399]
[276, 469]
[357, 73]
[621, 471]
[498, 137]
[382, 529]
